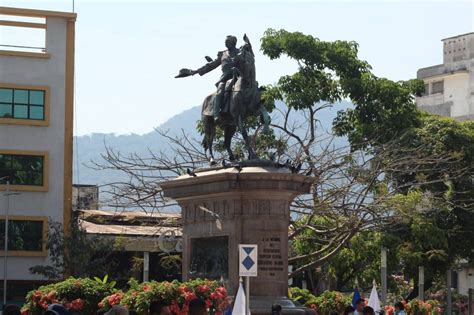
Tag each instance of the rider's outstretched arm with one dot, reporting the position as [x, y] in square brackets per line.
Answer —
[210, 65]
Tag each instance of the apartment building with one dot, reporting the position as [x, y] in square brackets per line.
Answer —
[449, 87]
[36, 137]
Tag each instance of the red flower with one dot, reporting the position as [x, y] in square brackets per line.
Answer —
[146, 288]
[389, 310]
[313, 306]
[184, 290]
[37, 296]
[189, 296]
[203, 288]
[222, 290]
[115, 299]
[52, 295]
[77, 304]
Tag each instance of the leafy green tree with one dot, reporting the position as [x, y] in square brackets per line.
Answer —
[331, 71]
[441, 234]
[383, 111]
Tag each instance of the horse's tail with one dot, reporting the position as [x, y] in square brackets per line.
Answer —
[204, 142]
[208, 124]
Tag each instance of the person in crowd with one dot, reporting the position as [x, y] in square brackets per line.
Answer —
[12, 309]
[117, 310]
[276, 309]
[399, 309]
[349, 310]
[56, 309]
[159, 308]
[360, 304]
[368, 311]
[197, 307]
[228, 307]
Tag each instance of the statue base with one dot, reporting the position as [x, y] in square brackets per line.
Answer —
[243, 203]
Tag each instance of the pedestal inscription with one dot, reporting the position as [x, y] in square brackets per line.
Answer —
[270, 259]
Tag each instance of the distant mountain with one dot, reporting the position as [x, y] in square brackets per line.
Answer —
[88, 149]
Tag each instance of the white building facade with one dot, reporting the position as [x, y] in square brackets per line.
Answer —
[36, 136]
[449, 87]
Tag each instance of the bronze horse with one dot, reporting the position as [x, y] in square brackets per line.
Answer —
[242, 99]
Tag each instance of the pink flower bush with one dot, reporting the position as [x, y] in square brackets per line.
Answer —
[79, 294]
[178, 295]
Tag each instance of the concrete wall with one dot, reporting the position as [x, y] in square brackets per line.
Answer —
[456, 90]
[465, 280]
[37, 71]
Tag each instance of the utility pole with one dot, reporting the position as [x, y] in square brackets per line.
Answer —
[421, 283]
[146, 266]
[5, 249]
[449, 284]
[470, 310]
[383, 274]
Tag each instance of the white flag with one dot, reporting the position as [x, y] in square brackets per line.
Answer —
[374, 301]
[239, 303]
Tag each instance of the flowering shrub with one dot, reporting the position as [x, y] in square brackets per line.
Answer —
[302, 296]
[178, 295]
[323, 304]
[81, 294]
[418, 307]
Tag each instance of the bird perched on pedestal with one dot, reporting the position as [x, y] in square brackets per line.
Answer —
[190, 173]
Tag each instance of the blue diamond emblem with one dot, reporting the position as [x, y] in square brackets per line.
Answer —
[248, 262]
[248, 250]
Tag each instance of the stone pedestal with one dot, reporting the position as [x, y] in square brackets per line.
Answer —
[225, 207]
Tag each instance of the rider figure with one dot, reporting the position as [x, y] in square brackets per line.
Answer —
[225, 59]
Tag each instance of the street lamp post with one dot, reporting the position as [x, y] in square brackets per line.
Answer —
[383, 275]
[5, 249]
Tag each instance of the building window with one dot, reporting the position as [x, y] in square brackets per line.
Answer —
[454, 279]
[426, 91]
[25, 234]
[22, 104]
[24, 170]
[22, 235]
[437, 87]
[27, 105]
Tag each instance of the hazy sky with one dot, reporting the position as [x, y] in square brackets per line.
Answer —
[128, 52]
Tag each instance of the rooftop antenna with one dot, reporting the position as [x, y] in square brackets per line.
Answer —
[73, 6]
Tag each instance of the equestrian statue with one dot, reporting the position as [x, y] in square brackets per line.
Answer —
[238, 96]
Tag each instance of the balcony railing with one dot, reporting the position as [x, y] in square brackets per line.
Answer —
[23, 36]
